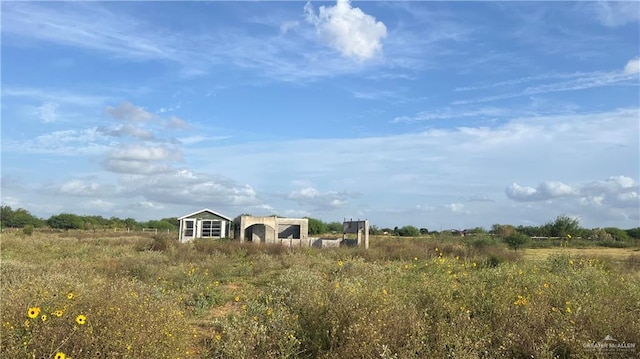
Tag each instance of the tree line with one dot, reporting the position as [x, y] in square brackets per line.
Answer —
[21, 218]
[561, 227]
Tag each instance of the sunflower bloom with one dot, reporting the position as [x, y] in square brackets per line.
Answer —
[58, 313]
[44, 317]
[81, 319]
[60, 355]
[70, 295]
[33, 312]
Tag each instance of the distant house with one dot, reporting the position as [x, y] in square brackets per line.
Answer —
[204, 223]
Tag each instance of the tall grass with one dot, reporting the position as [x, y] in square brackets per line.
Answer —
[150, 297]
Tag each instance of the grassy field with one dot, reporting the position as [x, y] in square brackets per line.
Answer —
[619, 255]
[88, 295]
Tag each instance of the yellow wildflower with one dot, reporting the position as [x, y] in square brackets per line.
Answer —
[33, 312]
[60, 355]
[58, 313]
[81, 319]
[44, 317]
[70, 295]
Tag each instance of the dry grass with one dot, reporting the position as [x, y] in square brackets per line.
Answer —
[403, 298]
[615, 254]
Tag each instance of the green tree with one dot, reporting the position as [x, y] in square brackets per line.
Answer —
[564, 226]
[424, 231]
[408, 231]
[18, 218]
[65, 221]
[617, 234]
[335, 227]
[633, 232]
[316, 226]
[516, 240]
[502, 230]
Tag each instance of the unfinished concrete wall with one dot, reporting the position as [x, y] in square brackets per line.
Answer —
[360, 228]
[271, 229]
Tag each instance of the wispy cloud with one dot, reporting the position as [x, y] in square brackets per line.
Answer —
[54, 96]
[450, 113]
[587, 81]
[614, 13]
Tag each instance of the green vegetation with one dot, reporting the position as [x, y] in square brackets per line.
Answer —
[90, 294]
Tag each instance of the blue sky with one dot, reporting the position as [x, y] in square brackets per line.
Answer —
[433, 114]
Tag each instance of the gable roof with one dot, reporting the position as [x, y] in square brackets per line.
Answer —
[206, 210]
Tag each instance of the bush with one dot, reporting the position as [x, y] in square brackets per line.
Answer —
[516, 241]
[27, 230]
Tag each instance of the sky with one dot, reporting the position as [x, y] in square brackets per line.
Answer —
[440, 115]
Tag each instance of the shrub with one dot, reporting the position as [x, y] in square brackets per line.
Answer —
[27, 230]
[516, 240]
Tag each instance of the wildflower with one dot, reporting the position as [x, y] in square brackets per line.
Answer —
[216, 283]
[44, 317]
[81, 319]
[70, 295]
[33, 312]
[546, 285]
[340, 263]
[218, 337]
[60, 355]
[571, 261]
[384, 291]
[475, 264]
[58, 313]
[521, 301]
[237, 299]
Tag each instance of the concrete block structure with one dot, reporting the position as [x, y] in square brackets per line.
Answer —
[359, 228]
[279, 230]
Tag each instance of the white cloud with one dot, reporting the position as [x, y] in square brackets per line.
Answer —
[100, 205]
[348, 29]
[545, 191]
[617, 191]
[321, 201]
[65, 142]
[185, 187]
[141, 152]
[456, 208]
[135, 166]
[632, 67]
[176, 123]
[79, 188]
[124, 130]
[142, 159]
[128, 112]
[614, 192]
[47, 112]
